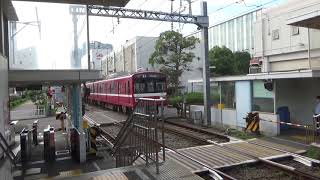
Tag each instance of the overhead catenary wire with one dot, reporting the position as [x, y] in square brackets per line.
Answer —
[159, 5]
[195, 32]
[219, 9]
[113, 26]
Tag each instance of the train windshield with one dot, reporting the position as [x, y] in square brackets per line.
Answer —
[149, 83]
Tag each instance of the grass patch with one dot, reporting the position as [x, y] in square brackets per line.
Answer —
[313, 152]
[241, 134]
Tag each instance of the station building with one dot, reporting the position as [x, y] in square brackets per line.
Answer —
[286, 57]
[7, 13]
[131, 56]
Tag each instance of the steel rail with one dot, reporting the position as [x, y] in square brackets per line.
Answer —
[187, 135]
[225, 176]
[284, 151]
[197, 129]
[274, 164]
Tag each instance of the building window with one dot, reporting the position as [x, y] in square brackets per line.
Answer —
[275, 34]
[228, 94]
[262, 100]
[294, 30]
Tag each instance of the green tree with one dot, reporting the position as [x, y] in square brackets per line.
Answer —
[228, 63]
[172, 53]
[241, 60]
[222, 58]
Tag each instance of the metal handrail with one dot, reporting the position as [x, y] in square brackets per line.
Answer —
[139, 134]
[6, 149]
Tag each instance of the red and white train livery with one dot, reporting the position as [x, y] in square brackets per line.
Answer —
[120, 92]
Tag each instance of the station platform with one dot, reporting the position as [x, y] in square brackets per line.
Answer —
[179, 164]
[25, 111]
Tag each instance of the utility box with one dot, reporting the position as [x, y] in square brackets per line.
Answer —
[75, 144]
[25, 143]
[49, 149]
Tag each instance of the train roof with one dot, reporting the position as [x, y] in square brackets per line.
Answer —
[127, 76]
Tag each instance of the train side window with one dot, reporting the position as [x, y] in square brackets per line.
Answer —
[111, 87]
[128, 87]
[119, 88]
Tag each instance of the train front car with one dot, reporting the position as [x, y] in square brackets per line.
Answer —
[150, 85]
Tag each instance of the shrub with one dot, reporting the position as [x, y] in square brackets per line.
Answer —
[194, 98]
[16, 101]
[175, 100]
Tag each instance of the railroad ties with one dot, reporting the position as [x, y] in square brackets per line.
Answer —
[215, 152]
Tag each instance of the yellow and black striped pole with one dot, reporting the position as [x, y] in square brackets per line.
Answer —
[93, 132]
[252, 121]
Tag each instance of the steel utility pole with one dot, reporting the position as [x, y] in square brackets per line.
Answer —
[206, 70]
[75, 62]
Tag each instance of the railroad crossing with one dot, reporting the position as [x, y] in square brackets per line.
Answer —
[97, 143]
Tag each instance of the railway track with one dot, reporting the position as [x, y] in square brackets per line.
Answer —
[173, 139]
[204, 136]
[195, 133]
[282, 167]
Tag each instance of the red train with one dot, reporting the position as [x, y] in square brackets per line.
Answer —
[120, 92]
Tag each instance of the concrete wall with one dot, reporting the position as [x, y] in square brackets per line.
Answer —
[290, 51]
[5, 166]
[144, 49]
[134, 54]
[228, 116]
[299, 95]
[196, 67]
[25, 59]
[4, 110]
[269, 128]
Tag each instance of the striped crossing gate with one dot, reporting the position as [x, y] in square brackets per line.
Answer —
[252, 121]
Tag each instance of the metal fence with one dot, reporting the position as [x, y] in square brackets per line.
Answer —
[139, 136]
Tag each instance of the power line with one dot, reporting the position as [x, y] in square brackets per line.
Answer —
[219, 9]
[195, 32]
[159, 5]
[140, 47]
[113, 27]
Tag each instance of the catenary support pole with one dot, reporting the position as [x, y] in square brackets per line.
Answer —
[206, 73]
[88, 38]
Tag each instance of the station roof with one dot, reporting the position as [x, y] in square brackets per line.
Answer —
[119, 3]
[51, 77]
[305, 14]
[9, 10]
[261, 76]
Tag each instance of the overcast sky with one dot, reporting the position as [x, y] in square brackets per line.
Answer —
[57, 28]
